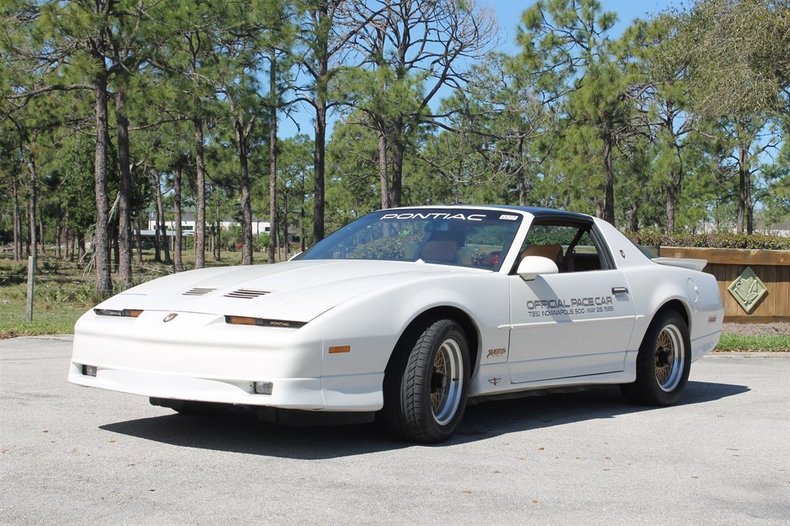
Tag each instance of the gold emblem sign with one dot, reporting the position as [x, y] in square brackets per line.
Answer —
[747, 289]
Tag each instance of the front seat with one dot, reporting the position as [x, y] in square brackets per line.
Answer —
[553, 252]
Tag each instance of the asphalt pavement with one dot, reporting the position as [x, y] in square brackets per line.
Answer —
[73, 455]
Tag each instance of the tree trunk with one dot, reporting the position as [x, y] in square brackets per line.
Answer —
[273, 158]
[521, 178]
[318, 166]
[113, 228]
[246, 208]
[608, 201]
[124, 191]
[138, 238]
[160, 218]
[58, 233]
[69, 244]
[745, 205]
[101, 240]
[384, 178]
[285, 224]
[179, 261]
[632, 216]
[396, 178]
[17, 221]
[200, 212]
[157, 237]
[670, 205]
[397, 148]
[217, 232]
[81, 246]
[41, 234]
[32, 204]
[321, 51]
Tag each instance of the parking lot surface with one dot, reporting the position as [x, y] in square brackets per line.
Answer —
[72, 455]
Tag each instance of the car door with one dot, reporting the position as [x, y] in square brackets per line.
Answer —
[574, 323]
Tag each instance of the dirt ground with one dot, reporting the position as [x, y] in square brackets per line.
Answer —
[752, 329]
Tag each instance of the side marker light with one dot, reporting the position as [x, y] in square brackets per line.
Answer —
[339, 349]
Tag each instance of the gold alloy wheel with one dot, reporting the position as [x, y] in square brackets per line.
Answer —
[670, 356]
[446, 381]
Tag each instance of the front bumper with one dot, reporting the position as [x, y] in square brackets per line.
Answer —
[198, 357]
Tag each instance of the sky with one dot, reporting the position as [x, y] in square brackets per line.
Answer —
[508, 14]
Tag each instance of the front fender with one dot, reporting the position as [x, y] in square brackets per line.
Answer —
[372, 324]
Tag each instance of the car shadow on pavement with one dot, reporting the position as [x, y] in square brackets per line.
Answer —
[243, 433]
[498, 417]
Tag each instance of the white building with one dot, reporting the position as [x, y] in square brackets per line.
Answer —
[188, 224]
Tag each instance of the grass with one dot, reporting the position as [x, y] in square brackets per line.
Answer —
[64, 291]
[46, 320]
[754, 343]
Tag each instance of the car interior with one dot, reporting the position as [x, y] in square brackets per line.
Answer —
[571, 246]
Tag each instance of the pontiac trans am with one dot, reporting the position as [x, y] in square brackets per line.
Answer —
[407, 313]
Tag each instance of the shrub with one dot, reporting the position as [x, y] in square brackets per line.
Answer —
[753, 241]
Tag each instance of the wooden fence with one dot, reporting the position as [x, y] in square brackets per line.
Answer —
[772, 267]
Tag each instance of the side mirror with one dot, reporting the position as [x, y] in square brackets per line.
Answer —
[532, 266]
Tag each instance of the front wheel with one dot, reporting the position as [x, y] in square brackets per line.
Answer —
[426, 384]
[663, 363]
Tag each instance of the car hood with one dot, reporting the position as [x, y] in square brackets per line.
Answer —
[294, 291]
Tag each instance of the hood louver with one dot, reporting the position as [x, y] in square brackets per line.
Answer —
[198, 291]
[246, 294]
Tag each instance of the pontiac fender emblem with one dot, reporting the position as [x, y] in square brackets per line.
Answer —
[170, 317]
[494, 380]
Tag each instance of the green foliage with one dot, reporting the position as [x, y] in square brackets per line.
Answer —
[737, 55]
[261, 242]
[754, 241]
[684, 117]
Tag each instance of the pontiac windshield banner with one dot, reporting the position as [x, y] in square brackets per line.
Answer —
[457, 215]
[569, 307]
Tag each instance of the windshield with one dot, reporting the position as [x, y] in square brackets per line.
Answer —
[461, 237]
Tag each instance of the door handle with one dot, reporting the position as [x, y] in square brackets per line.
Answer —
[619, 290]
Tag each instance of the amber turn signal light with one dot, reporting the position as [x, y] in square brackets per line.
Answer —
[122, 313]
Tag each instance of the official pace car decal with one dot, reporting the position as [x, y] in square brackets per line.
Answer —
[569, 307]
[458, 215]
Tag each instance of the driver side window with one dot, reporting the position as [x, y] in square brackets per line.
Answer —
[573, 247]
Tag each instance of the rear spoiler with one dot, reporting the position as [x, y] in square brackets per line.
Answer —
[693, 264]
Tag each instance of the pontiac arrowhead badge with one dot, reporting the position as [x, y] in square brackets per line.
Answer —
[170, 317]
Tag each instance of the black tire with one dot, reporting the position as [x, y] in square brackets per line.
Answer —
[189, 407]
[663, 363]
[427, 383]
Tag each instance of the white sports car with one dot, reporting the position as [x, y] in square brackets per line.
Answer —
[406, 313]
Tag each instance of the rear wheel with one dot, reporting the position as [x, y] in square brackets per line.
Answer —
[426, 384]
[663, 363]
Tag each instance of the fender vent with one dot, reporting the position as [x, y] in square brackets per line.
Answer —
[197, 291]
[246, 294]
